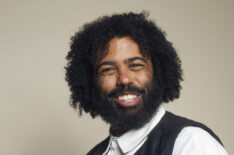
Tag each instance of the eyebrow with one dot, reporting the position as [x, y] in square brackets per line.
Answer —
[134, 59]
[125, 61]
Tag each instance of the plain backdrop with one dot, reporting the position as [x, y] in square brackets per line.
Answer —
[35, 115]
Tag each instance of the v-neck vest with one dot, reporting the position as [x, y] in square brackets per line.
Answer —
[162, 138]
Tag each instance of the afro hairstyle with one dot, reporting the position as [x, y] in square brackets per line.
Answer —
[96, 35]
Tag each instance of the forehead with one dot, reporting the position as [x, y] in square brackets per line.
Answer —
[118, 49]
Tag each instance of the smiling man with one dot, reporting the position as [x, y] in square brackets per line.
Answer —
[122, 68]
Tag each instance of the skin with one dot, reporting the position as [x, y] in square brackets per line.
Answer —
[123, 65]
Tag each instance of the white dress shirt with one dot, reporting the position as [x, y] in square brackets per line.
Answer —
[190, 141]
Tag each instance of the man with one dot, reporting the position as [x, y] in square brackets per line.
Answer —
[122, 68]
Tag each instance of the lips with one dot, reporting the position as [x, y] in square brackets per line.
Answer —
[128, 99]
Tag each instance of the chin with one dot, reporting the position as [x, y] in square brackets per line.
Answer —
[128, 118]
[124, 116]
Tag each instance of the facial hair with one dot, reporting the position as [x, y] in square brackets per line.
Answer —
[133, 117]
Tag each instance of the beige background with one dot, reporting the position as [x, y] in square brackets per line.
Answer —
[35, 117]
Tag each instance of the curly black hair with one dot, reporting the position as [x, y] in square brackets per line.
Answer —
[96, 35]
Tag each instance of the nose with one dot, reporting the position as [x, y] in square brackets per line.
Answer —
[124, 78]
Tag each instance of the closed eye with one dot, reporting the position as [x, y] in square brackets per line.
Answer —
[136, 66]
[107, 71]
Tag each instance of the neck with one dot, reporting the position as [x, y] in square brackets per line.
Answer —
[116, 132]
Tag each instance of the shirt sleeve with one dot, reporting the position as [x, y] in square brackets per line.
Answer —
[196, 141]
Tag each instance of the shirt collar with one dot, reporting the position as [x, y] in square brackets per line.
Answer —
[132, 138]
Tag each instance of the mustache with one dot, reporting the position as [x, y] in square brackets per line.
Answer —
[121, 90]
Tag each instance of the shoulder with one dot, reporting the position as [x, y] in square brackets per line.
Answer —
[99, 148]
[195, 140]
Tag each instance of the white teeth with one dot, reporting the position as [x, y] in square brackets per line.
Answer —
[127, 97]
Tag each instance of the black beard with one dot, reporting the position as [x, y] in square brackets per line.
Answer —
[128, 118]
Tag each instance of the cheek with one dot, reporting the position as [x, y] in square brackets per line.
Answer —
[144, 78]
[106, 84]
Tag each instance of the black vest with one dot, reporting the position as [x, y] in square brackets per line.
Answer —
[162, 138]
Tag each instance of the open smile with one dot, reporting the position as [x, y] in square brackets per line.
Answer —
[128, 99]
